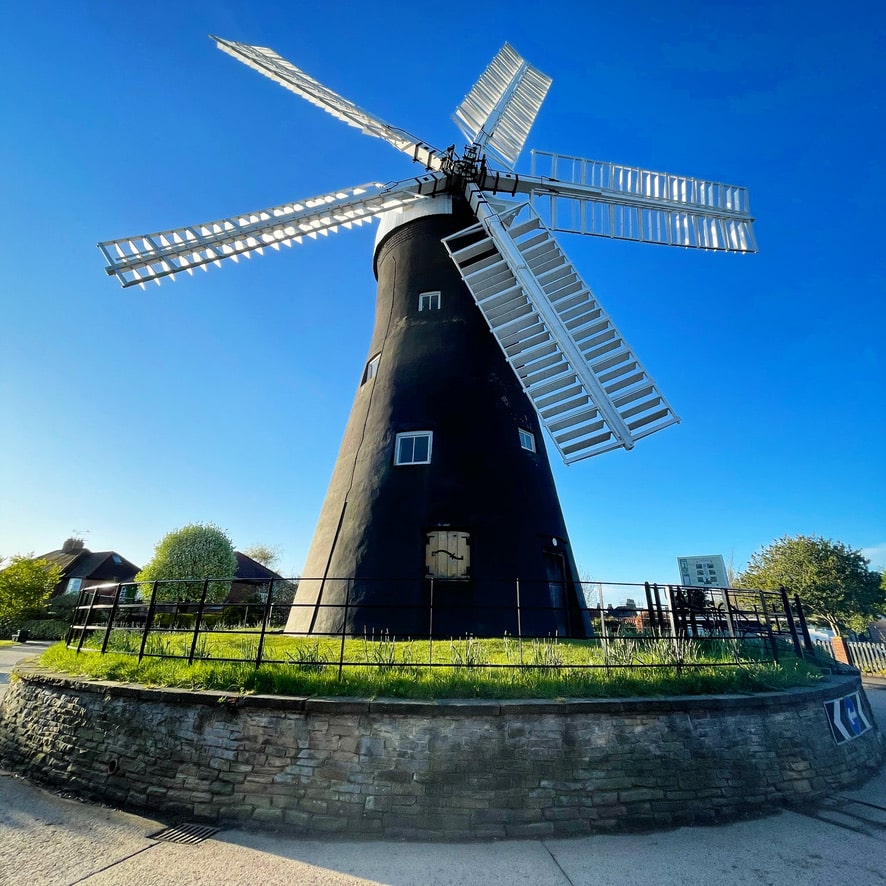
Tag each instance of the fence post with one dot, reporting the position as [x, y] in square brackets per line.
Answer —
[319, 605]
[674, 639]
[86, 623]
[670, 610]
[431, 625]
[148, 619]
[649, 606]
[786, 604]
[841, 651]
[519, 621]
[683, 612]
[772, 644]
[801, 617]
[269, 605]
[604, 630]
[659, 611]
[111, 615]
[198, 618]
[727, 611]
[344, 627]
[70, 636]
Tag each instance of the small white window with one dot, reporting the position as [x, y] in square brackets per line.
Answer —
[371, 369]
[74, 585]
[429, 301]
[527, 440]
[413, 448]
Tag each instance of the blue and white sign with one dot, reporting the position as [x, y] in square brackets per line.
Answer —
[847, 718]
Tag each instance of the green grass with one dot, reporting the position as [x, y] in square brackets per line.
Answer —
[466, 668]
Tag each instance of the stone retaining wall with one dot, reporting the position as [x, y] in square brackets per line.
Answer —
[431, 770]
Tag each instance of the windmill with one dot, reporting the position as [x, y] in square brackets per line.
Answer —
[484, 332]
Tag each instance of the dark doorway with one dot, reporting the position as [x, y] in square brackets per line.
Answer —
[557, 576]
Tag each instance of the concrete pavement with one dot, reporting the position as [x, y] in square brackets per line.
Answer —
[10, 656]
[48, 839]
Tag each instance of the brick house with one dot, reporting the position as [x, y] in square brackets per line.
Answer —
[81, 568]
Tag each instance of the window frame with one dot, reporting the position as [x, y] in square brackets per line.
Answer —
[406, 435]
[527, 436]
[371, 370]
[432, 300]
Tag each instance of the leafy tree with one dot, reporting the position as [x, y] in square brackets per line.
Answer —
[832, 580]
[263, 554]
[25, 586]
[195, 552]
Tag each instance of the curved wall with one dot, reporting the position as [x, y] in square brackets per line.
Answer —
[431, 770]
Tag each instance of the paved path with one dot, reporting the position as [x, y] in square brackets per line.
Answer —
[10, 656]
[48, 839]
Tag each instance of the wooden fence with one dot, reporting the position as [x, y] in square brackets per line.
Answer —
[869, 658]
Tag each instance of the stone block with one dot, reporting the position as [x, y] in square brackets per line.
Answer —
[315, 807]
[297, 819]
[240, 812]
[561, 813]
[533, 829]
[375, 803]
[268, 814]
[232, 777]
[639, 795]
[327, 824]
[605, 798]
[220, 788]
[205, 811]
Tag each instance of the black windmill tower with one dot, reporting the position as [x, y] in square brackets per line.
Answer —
[484, 334]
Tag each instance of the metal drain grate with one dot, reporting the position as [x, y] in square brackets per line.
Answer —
[185, 833]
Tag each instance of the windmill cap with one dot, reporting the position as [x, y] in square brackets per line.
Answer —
[390, 221]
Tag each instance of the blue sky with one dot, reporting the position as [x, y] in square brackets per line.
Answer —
[223, 397]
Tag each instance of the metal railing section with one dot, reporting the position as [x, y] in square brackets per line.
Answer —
[139, 619]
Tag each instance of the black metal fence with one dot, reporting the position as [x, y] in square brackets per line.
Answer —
[177, 619]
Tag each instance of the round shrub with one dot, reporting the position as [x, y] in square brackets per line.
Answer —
[185, 557]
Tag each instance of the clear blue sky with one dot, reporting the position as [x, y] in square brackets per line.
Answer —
[223, 397]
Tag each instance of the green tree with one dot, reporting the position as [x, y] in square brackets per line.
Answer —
[832, 580]
[191, 554]
[264, 554]
[25, 586]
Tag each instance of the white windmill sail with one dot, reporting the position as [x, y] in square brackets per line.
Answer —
[590, 391]
[498, 112]
[586, 384]
[281, 71]
[629, 203]
[137, 260]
